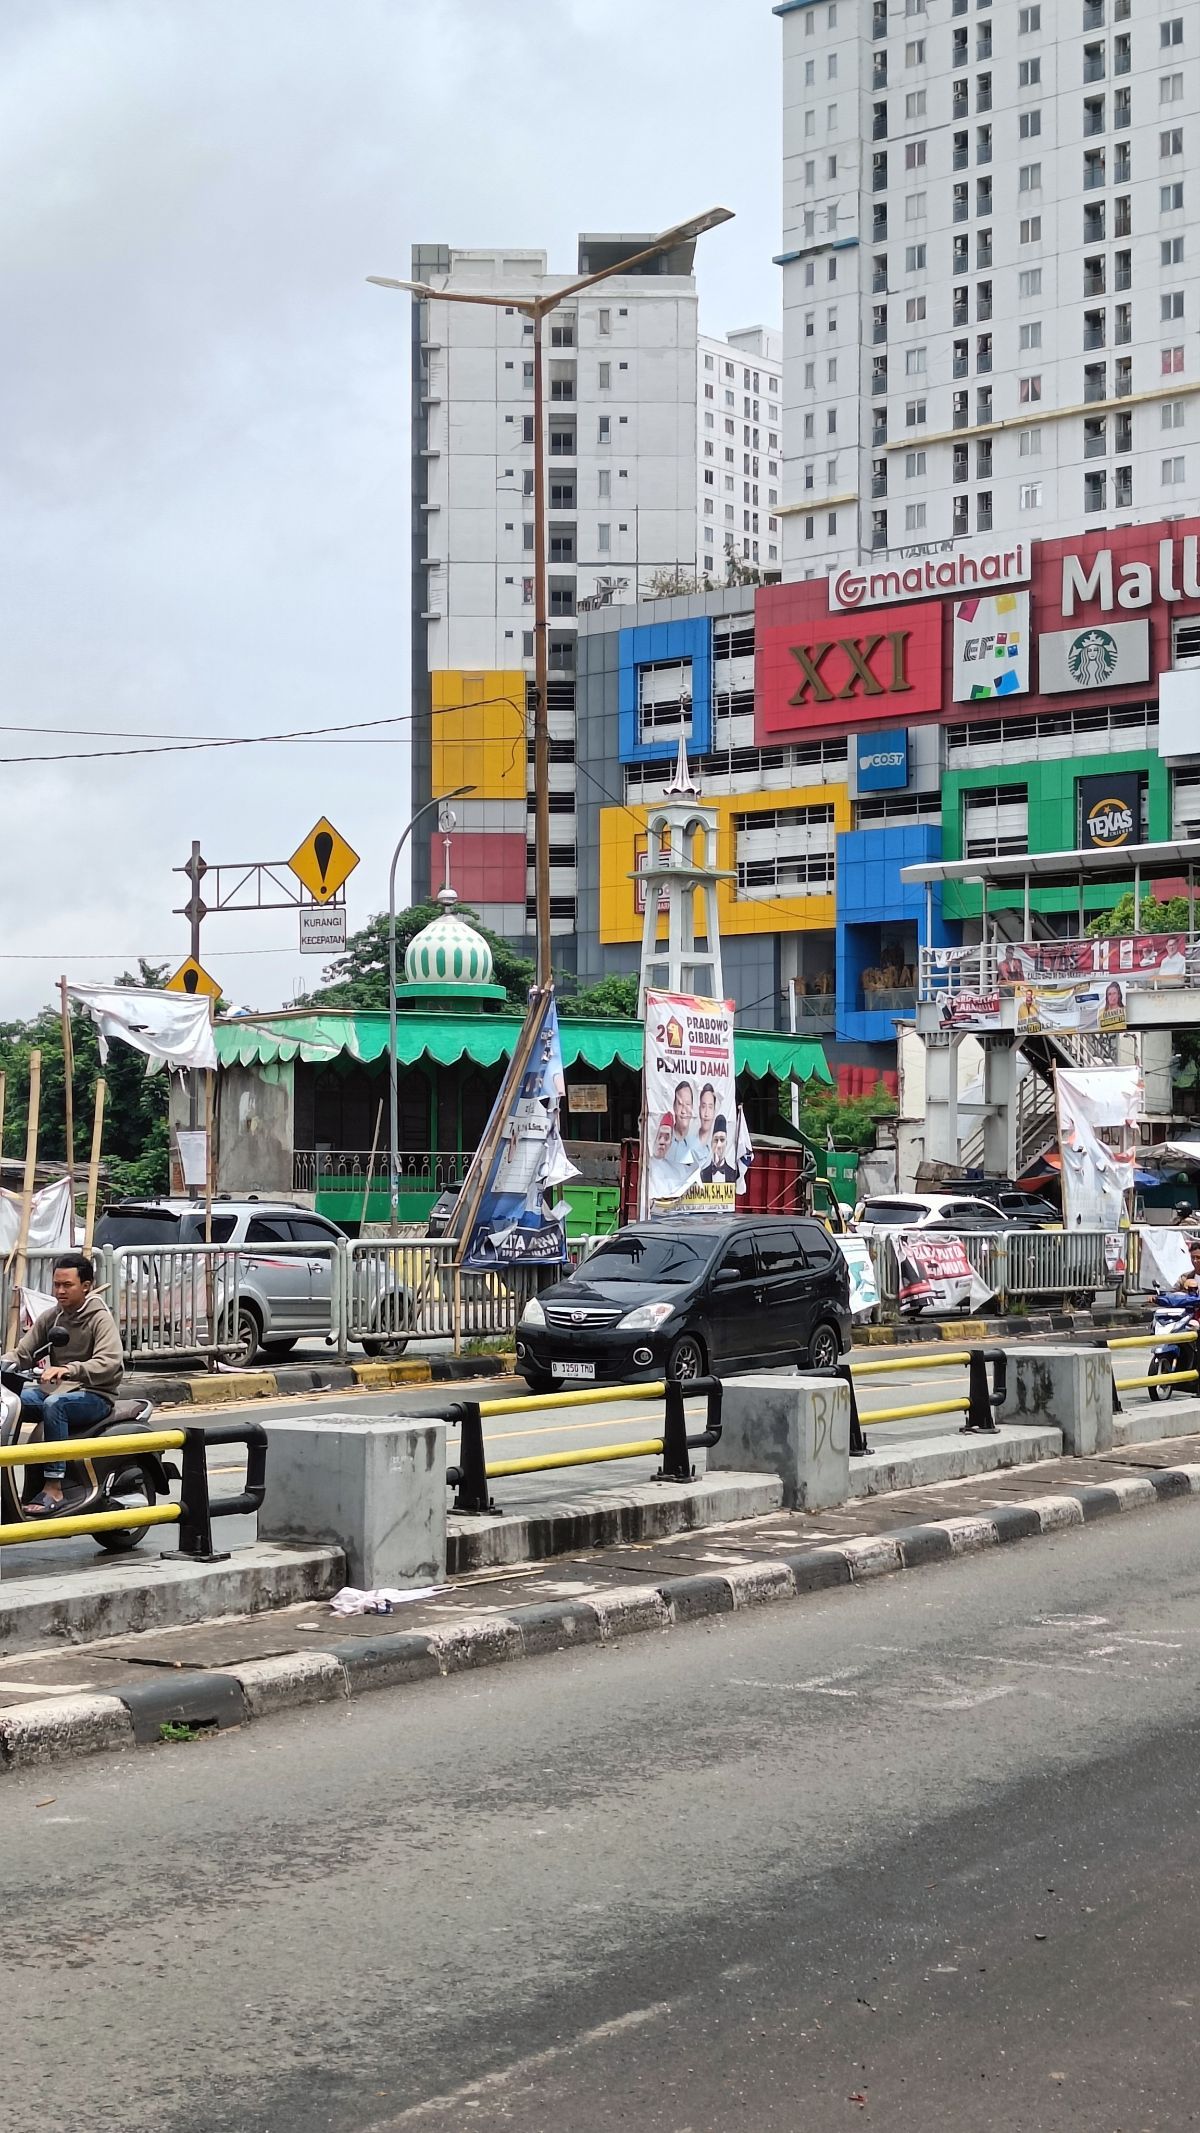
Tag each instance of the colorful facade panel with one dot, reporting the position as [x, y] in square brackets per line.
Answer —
[478, 733]
[656, 649]
[820, 673]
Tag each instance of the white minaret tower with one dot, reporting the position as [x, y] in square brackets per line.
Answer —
[681, 861]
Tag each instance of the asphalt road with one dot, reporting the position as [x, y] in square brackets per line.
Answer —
[920, 1853]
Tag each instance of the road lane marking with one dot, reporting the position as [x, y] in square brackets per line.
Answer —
[519, 2069]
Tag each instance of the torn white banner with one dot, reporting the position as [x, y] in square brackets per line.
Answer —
[49, 1221]
[172, 1028]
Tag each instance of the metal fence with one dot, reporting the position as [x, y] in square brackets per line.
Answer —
[1021, 1264]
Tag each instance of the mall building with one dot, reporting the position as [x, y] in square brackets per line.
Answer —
[978, 701]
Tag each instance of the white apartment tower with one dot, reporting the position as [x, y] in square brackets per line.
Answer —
[991, 270]
[739, 467]
[620, 395]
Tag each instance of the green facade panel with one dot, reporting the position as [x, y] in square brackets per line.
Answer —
[1053, 826]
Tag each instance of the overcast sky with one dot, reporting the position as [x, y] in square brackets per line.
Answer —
[204, 475]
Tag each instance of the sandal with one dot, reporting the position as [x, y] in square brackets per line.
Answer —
[44, 1506]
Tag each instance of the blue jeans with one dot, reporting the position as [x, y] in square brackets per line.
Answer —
[63, 1414]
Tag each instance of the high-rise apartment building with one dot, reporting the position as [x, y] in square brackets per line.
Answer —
[739, 458]
[991, 271]
[620, 396]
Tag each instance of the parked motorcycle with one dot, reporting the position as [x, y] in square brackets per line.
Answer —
[1175, 1312]
[124, 1481]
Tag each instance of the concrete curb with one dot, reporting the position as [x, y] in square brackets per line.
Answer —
[72, 1726]
[227, 1388]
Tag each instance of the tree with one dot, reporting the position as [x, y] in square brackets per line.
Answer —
[823, 1114]
[613, 999]
[136, 1130]
[359, 978]
[1172, 917]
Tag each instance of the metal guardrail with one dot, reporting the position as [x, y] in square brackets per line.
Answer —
[474, 1471]
[193, 1514]
[977, 1403]
[1017, 1263]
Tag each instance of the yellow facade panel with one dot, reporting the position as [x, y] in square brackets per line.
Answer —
[623, 836]
[478, 733]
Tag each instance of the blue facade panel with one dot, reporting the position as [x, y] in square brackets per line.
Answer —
[874, 905]
[644, 646]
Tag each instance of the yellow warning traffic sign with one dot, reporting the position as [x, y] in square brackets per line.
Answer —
[193, 977]
[323, 862]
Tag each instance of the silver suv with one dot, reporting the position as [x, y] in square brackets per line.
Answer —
[283, 1297]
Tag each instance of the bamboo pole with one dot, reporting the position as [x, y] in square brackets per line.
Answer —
[371, 1164]
[68, 1092]
[3, 1088]
[93, 1176]
[21, 1260]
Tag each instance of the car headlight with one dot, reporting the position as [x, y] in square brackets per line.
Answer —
[646, 1317]
[533, 1314]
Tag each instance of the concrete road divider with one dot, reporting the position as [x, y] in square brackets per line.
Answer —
[374, 1486]
[1068, 1388]
[798, 1428]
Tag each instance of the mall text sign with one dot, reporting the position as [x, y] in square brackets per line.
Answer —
[922, 578]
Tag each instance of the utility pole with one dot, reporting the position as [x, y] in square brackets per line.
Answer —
[195, 910]
[538, 309]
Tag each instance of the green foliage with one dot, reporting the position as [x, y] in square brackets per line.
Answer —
[136, 1148]
[613, 999]
[359, 978]
[1172, 917]
[852, 1125]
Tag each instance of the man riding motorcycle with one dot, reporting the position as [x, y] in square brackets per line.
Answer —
[75, 1390]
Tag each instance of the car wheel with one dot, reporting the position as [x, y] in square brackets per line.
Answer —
[383, 1348]
[247, 1340]
[825, 1347]
[687, 1358]
[540, 1381]
[276, 1350]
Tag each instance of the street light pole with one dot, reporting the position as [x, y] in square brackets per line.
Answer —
[393, 1076]
[538, 308]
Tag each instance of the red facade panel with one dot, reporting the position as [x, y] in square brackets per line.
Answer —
[817, 672]
[486, 866]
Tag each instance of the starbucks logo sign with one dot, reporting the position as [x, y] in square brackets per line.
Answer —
[1092, 658]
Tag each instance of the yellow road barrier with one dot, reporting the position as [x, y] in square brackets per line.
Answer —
[1159, 1377]
[36, 1529]
[544, 1461]
[1150, 1340]
[914, 1413]
[42, 1454]
[905, 1362]
[587, 1396]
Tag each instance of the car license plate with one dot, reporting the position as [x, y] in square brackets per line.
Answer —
[573, 1370]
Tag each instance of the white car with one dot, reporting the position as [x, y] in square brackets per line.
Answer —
[950, 1211]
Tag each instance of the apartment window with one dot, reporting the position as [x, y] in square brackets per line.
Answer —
[1031, 496]
[1171, 305]
[915, 257]
[1028, 20]
[995, 821]
[1170, 33]
[831, 371]
[914, 56]
[1031, 229]
[604, 322]
[1029, 390]
[831, 118]
[831, 67]
[1170, 197]
[914, 518]
[914, 7]
[914, 104]
[831, 422]
[914, 207]
[1029, 71]
[1029, 444]
[831, 523]
[1172, 362]
[1029, 281]
[1172, 414]
[1095, 491]
[810, 73]
[604, 376]
[604, 429]
[1031, 334]
[914, 155]
[914, 414]
[1173, 471]
[983, 511]
[914, 309]
[914, 465]
[914, 362]
[1170, 252]
[527, 429]
[1030, 125]
[1029, 178]
[1170, 89]
[1170, 143]
[604, 534]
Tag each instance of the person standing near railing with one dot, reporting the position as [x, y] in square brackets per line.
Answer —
[74, 1389]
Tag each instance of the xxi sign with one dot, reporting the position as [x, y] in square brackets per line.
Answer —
[809, 667]
[855, 658]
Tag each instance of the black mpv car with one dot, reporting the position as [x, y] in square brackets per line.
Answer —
[716, 1293]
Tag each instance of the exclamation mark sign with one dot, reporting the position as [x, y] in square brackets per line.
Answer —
[191, 979]
[323, 852]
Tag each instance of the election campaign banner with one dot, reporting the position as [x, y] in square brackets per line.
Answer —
[935, 1274]
[689, 1107]
[516, 1222]
[1096, 1006]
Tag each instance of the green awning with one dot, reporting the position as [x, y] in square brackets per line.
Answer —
[268, 1040]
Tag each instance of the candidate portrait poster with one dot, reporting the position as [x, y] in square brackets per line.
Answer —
[690, 1163]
